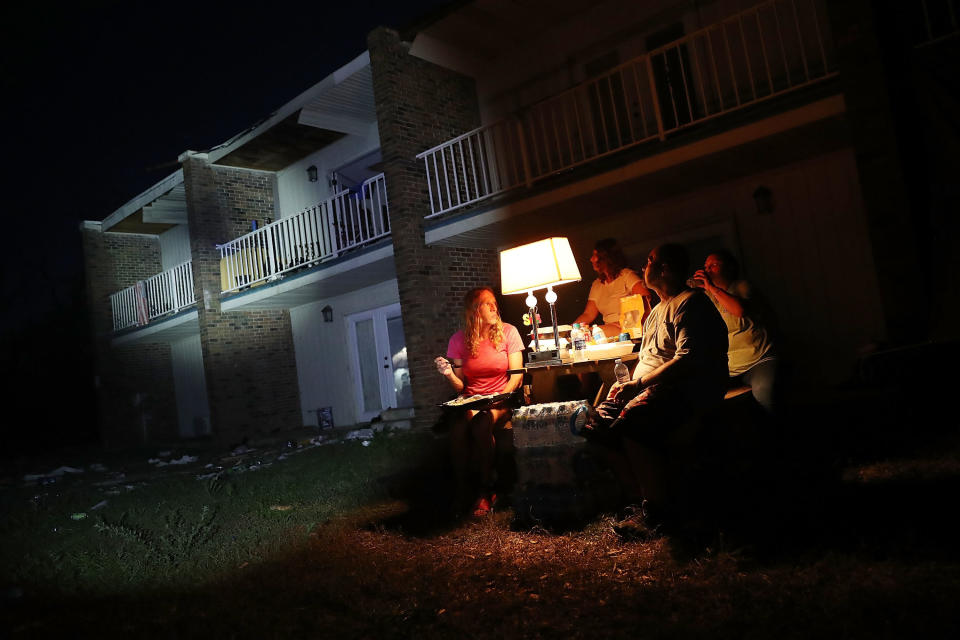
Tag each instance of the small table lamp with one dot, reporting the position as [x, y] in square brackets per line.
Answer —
[542, 264]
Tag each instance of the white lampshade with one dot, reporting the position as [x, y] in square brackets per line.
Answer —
[537, 265]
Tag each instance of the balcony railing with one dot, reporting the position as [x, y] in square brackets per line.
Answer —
[939, 21]
[167, 292]
[342, 222]
[768, 50]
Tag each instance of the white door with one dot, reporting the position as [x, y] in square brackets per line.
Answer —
[378, 351]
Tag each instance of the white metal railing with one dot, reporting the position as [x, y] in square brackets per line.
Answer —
[167, 292]
[768, 50]
[344, 221]
[940, 21]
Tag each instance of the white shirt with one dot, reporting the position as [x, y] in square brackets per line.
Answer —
[607, 295]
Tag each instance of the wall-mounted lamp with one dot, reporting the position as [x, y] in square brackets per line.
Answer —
[312, 173]
[763, 197]
[327, 312]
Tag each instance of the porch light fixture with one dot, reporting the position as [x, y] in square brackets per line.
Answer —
[538, 265]
[327, 312]
[763, 197]
[312, 173]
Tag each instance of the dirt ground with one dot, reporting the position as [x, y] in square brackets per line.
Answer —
[843, 529]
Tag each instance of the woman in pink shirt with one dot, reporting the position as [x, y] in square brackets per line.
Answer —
[478, 357]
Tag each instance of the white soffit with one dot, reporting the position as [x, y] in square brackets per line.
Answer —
[347, 107]
[170, 208]
[151, 195]
[355, 103]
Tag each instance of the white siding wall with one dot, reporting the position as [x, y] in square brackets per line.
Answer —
[191, 387]
[811, 257]
[295, 192]
[324, 369]
[175, 246]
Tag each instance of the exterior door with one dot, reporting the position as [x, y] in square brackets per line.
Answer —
[378, 352]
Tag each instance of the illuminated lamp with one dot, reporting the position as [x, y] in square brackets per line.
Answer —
[538, 265]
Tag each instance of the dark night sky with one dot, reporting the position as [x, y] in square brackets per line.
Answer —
[99, 99]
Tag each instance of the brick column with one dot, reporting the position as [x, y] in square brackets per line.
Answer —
[419, 105]
[892, 223]
[248, 356]
[136, 400]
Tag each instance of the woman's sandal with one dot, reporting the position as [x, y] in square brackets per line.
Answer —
[484, 505]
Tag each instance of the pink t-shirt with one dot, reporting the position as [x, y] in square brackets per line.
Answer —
[487, 373]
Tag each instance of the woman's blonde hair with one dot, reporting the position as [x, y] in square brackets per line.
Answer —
[473, 323]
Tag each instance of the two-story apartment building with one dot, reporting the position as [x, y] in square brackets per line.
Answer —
[768, 129]
[255, 286]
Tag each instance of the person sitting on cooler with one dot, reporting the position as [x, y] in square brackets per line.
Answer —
[478, 357]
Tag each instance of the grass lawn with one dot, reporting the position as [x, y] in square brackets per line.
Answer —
[350, 541]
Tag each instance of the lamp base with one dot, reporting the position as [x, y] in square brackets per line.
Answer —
[543, 358]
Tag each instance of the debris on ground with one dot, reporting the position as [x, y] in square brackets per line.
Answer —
[359, 434]
[51, 477]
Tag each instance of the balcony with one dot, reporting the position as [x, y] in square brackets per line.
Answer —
[340, 232]
[163, 294]
[772, 49]
[935, 21]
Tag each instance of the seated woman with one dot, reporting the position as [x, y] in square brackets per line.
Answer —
[615, 281]
[479, 356]
[751, 355]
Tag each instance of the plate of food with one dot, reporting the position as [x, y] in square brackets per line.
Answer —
[484, 401]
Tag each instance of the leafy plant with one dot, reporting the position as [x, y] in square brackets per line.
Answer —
[178, 541]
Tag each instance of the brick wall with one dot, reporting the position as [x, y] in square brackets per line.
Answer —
[135, 394]
[418, 106]
[248, 356]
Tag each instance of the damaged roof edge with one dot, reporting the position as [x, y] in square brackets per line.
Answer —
[149, 195]
[332, 80]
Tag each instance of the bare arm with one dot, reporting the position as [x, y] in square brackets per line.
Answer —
[452, 371]
[730, 302]
[514, 361]
[640, 289]
[589, 314]
[664, 373]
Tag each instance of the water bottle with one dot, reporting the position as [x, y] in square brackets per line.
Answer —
[599, 336]
[620, 370]
[579, 340]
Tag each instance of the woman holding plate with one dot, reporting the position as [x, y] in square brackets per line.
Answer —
[478, 357]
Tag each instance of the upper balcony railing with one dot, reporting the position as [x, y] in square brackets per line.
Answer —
[344, 221]
[167, 292]
[940, 21]
[768, 50]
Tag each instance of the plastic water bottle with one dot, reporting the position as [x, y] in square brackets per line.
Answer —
[579, 343]
[620, 370]
[599, 336]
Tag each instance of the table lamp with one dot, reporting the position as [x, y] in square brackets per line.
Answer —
[542, 264]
